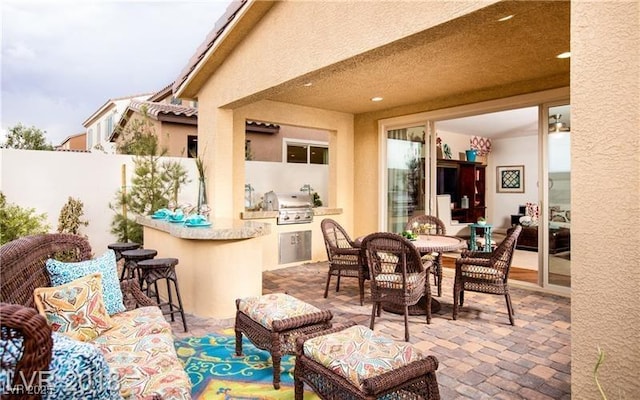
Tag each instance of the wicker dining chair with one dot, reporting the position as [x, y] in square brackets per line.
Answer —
[398, 275]
[344, 257]
[439, 229]
[484, 272]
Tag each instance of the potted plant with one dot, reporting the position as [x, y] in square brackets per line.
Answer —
[482, 221]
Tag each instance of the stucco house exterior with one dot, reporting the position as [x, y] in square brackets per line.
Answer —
[99, 125]
[359, 69]
[74, 142]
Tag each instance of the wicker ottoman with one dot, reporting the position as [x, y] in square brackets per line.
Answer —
[355, 363]
[272, 322]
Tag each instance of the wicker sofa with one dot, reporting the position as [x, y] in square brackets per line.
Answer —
[138, 346]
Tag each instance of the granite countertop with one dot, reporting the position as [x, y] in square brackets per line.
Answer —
[274, 214]
[220, 229]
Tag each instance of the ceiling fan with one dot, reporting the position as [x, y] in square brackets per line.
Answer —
[555, 125]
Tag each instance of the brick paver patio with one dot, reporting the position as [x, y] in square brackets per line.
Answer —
[481, 356]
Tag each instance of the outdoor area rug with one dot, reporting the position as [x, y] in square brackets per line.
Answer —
[217, 373]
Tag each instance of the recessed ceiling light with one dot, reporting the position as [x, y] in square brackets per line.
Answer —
[566, 54]
[508, 17]
[307, 84]
[377, 98]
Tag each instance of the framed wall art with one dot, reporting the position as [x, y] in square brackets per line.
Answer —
[510, 179]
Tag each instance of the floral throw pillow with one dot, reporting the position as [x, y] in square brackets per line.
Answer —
[63, 272]
[75, 309]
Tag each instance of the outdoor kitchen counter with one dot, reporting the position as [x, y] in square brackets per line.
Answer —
[217, 264]
[318, 211]
[220, 229]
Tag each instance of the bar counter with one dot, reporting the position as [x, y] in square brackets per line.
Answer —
[217, 264]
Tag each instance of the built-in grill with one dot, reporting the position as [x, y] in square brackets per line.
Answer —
[293, 208]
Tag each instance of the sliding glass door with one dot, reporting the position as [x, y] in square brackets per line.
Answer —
[557, 255]
[405, 175]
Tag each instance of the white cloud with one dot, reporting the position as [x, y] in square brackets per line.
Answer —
[61, 60]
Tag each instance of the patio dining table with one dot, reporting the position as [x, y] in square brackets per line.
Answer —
[426, 244]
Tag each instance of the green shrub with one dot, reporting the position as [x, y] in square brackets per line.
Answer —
[16, 221]
[71, 213]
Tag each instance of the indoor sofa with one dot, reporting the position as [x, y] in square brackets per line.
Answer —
[132, 357]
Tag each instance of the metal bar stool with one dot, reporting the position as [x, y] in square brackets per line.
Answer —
[131, 260]
[163, 268]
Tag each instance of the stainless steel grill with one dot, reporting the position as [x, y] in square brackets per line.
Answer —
[293, 208]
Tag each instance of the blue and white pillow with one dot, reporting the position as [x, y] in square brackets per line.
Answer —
[78, 370]
[62, 273]
[10, 353]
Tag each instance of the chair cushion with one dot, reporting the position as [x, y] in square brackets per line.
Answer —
[63, 272]
[394, 281]
[356, 353]
[75, 309]
[139, 349]
[274, 307]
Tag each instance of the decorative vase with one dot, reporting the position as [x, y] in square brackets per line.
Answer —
[471, 155]
[202, 195]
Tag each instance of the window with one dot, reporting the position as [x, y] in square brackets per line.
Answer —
[109, 127]
[176, 101]
[303, 153]
[98, 133]
[192, 146]
[90, 139]
[318, 155]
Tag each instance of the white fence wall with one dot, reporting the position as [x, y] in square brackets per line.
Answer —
[44, 180]
[265, 176]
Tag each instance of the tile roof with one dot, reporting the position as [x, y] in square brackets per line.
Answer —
[162, 93]
[211, 39]
[155, 110]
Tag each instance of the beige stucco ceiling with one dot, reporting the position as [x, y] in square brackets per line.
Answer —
[469, 54]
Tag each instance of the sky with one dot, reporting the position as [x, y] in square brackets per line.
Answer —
[62, 60]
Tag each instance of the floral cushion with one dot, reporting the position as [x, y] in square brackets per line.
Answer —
[75, 309]
[79, 371]
[63, 272]
[356, 353]
[274, 307]
[139, 348]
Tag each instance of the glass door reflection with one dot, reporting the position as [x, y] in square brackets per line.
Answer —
[406, 149]
[559, 196]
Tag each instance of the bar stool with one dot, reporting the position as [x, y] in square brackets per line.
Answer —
[163, 268]
[131, 260]
[119, 247]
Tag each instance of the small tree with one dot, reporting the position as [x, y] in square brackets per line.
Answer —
[154, 184]
[138, 137]
[70, 220]
[16, 222]
[21, 137]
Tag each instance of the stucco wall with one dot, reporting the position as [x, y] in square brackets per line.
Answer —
[269, 146]
[605, 121]
[44, 180]
[174, 137]
[305, 28]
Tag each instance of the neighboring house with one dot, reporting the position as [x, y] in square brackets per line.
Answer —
[99, 126]
[175, 126]
[74, 142]
[362, 69]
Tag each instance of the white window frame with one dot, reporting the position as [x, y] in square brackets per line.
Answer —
[301, 142]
